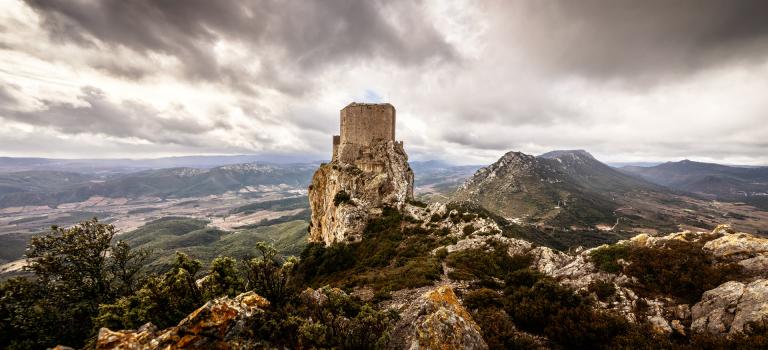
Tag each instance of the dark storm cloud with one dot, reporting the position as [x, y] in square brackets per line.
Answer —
[302, 35]
[640, 40]
[97, 115]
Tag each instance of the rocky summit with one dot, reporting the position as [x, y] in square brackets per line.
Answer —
[369, 170]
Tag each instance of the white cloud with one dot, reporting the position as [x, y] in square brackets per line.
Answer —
[470, 80]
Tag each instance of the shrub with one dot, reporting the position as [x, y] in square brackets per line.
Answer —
[341, 197]
[380, 296]
[679, 269]
[163, 300]
[417, 203]
[606, 258]
[441, 254]
[480, 264]
[602, 289]
[499, 331]
[523, 278]
[224, 279]
[268, 275]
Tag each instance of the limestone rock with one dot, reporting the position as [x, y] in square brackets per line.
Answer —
[660, 324]
[730, 306]
[217, 324]
[737, 245]
[443, 323]
[380, 177]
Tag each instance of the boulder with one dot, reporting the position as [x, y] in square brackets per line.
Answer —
[218, 324]
[443, 323]
[737, 246]
[730, 306]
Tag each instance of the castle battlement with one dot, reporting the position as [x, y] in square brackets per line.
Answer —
[361, 126]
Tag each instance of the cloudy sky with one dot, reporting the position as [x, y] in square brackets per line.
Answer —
[626, 80]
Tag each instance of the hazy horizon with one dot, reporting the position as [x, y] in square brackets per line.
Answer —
[628, 81]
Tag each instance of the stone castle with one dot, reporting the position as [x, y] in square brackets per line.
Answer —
[368, 166]
[361, 126]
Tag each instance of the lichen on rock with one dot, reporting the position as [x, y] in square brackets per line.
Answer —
[216, 325]
[443, 323]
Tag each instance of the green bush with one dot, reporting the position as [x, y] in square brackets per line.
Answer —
[678, 269]
[417, 203]
[341, 197]
[441, 254]
[392, 255]
[606, 258]
[485, 265]
[603, 290]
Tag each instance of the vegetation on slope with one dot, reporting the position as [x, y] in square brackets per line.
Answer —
[678, 269]
[193, 237]
[393, 254]
[79, 273]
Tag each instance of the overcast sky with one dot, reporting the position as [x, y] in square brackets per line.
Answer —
[626, 80]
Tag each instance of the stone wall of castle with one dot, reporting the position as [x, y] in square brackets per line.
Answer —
[362, 125]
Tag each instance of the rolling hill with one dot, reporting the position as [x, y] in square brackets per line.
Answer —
[166, 236]
[52, 187]
[713, 181]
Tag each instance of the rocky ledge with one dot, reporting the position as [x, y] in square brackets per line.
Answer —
[344, 196]
[216, 325]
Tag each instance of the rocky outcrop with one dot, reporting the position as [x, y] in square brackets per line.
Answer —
[216, 325]
[441, 322]
[749, 251]
[730, 307]
[344, 196]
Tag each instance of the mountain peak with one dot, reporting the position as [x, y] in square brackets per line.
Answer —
[573, 154]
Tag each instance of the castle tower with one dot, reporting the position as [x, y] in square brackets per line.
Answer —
[362, 125]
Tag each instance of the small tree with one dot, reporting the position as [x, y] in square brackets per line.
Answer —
[163, 300]
[268, 275]
[223, 279]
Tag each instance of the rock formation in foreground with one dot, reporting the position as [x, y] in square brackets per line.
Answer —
[219, 324]
[369, 170]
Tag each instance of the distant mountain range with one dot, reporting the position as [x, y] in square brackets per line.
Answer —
[55, 187]
[110, 166]
[713, 181]
[571, 190]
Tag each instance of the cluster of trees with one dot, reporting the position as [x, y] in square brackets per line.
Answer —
[75, 270]
[83, 279]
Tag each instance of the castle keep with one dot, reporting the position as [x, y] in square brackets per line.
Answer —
[361, 126]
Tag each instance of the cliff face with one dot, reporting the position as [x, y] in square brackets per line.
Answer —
[344, 195]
